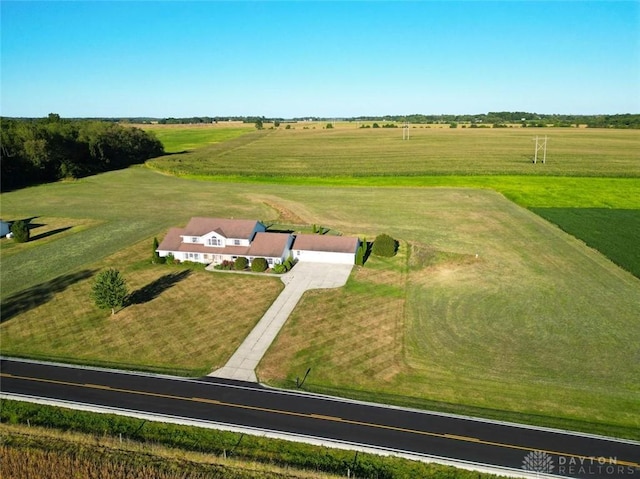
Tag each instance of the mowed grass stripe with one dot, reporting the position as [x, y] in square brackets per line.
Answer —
[190, 321]
[180, 138]
[496, 330]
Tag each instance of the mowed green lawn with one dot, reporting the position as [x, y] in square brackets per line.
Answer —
[530, 325]
[351, 152]
[538, 323]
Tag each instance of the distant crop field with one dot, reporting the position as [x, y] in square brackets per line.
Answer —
[613, 232]
[348, 151]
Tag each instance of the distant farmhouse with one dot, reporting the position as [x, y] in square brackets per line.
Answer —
[214, 240]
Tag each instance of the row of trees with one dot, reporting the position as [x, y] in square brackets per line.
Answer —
[491, 118]
[49, 149]
[525, 118]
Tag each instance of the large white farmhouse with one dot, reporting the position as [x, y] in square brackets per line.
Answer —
[214, 240]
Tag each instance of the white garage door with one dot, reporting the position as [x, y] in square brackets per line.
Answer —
[324, 257]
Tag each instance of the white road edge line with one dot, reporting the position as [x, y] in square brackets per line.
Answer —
[468, 465]
[269, 389]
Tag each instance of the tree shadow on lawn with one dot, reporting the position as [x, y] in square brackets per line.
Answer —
[49, 233]
[156, 288]
[39, 294]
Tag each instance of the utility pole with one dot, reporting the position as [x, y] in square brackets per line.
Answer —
[405, 131]
[541, 144]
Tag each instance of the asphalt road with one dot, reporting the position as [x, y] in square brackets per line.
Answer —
[249, 405]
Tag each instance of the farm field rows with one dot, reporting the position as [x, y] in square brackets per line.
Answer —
[536, 322]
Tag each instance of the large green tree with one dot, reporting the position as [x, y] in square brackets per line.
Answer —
[49, 149]
[110, 290]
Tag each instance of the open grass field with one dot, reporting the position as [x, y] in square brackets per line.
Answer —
[181, 138]
[538, 324]
[586, 168]
[352, 152]
[522, 327]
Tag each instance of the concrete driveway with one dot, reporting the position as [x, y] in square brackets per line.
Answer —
[302, 277]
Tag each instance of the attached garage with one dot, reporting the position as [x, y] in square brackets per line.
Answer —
[325, 249]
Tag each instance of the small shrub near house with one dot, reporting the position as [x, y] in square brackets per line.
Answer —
[288, 264]
[279, 268]
[240, 263]
[155, 256]
[225, 265]
[259, 265]
[385, 245]
[361, 253]
[20, 230]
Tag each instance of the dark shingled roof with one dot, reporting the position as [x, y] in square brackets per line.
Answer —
[335, 244]
[199, 226]
[269, 244]
[172, 240]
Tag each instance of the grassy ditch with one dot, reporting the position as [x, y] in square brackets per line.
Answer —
[121, 444]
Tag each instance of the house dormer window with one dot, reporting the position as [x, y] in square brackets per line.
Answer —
[194, 239]
[214, 242]
[236, 242]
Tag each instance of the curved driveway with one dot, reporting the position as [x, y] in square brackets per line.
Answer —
[302, 277]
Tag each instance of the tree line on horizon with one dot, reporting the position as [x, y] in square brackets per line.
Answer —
[49, 149]
[622, 121]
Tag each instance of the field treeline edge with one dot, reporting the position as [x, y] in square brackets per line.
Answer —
[50, 149]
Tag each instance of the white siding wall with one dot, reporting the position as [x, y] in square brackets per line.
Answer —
[240, 242]
[324, 257]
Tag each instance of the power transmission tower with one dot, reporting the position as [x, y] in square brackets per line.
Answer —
[541, 144]
[405, 131]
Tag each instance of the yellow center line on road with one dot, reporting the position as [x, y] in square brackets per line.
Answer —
[326, 418]
[321, 417]
[462, 438]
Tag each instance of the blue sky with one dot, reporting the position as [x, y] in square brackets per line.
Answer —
[333, 59]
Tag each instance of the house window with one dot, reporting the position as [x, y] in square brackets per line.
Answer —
[194, 239]
[214, 242]
[270, 260]
[236, 242]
